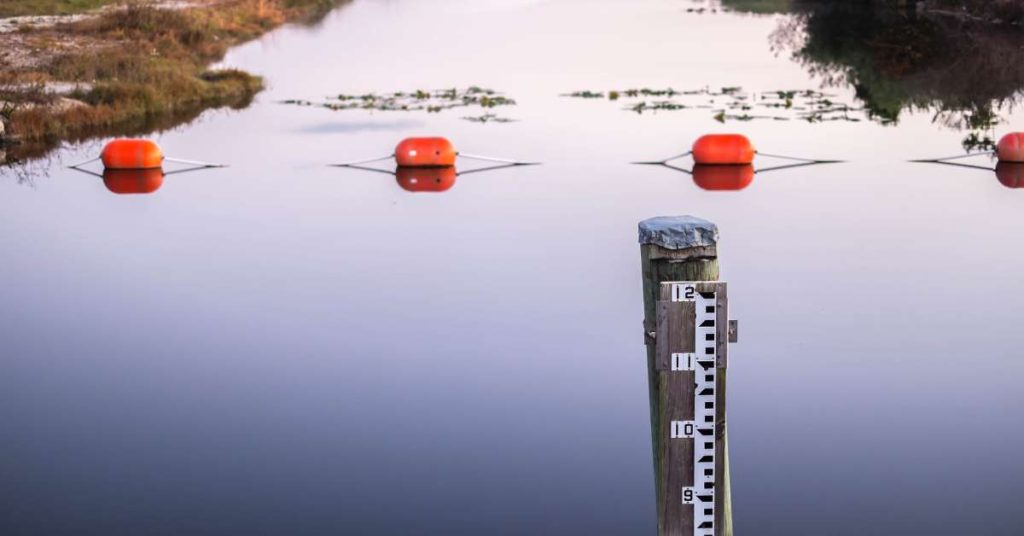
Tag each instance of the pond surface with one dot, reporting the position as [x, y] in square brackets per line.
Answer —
[281, 347]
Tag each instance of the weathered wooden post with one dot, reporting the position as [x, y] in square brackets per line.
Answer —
[687, 332]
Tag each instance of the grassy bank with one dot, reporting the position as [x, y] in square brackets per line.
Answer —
[17, 8]
[132, 68]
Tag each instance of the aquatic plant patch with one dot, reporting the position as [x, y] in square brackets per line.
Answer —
[733, 103]
[431, 101]
[489, 118]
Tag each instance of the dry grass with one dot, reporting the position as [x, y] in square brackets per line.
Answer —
[17, 8]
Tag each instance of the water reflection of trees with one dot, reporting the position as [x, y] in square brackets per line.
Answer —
[958, 65]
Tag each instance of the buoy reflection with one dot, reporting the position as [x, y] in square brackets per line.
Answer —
[1010, 174]
[729, 177]
[133, 181]
[722, 178]
[419, 179]
[724, 162]
[137, 181]
[436, 180]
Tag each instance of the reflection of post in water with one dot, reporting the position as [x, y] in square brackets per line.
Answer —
[687, 332]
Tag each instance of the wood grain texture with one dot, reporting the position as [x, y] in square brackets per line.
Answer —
[677, 404]
[662, 355]
[723, 497]
[660, 266]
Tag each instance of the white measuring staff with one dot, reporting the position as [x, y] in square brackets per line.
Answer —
[701, 430]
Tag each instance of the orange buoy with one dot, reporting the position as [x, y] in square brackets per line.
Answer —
[719, 149]
[419, 179]
[132, 154]
[1011, 147]
[425, 152]
[1010, 174]
[723, 177]
[133, 181]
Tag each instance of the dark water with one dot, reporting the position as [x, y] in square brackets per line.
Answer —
[280, 347]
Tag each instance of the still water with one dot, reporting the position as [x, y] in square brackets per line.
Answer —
[280, 347]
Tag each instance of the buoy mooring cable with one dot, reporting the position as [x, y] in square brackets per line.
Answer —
[954, 164]
[663, 162]
[948, 159]
[133, 153]
[80, 164]
[731, 150]
[499, 160]
[198, 163]
[358, 163]
[1009, 150]
[457, 173]
[432, 152]
[798, 159]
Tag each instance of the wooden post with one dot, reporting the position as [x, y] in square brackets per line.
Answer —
[674, 249]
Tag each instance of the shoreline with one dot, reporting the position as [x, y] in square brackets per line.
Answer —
[128, 68]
